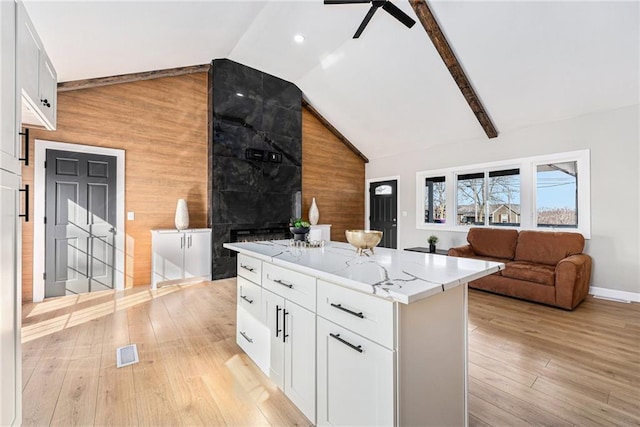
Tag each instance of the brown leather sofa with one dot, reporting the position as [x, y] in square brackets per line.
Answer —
[545, 267]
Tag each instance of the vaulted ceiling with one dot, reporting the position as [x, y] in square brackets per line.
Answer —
[388, 92]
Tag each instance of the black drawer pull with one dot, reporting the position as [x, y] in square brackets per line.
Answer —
[353, 313]
[280, 282]
[357, 348]
[244, 297]
[246, 267]
[25, 159]
[25, 215]
[246, 337]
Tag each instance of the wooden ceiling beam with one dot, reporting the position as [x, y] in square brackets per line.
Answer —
[332, 129]
[132, 77]
[436, 35]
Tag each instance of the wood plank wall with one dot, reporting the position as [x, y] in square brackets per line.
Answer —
[162, 126]
[334, 175]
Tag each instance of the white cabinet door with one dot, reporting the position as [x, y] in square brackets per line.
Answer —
[300, 358]
[9, 151]
[168, 255]
[28, 55]
[355, 379]
[273, 308]
[10, 363]
[197, 255]
[48, 90]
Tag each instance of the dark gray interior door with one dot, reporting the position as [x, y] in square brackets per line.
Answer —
[80, 222]
[383, 209]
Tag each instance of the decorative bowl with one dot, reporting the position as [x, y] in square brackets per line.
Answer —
[363, 239]
[299, 233]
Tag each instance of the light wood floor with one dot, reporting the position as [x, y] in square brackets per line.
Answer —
[529, 364]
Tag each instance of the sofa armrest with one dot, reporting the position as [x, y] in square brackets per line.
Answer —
[573, 276]
[461, 251]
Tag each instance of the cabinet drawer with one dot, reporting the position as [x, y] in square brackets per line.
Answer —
[253, 337]
[294, 286]
[250, 268]
[367, 315]
[249, 297]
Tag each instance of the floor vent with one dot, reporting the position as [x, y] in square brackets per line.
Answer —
[626, 301]
[127, 355]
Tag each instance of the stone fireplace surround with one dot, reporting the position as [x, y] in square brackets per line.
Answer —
[250, 112]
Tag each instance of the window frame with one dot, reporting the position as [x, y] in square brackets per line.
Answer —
[528, 192]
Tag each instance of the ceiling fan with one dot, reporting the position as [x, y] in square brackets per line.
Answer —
[389, 7]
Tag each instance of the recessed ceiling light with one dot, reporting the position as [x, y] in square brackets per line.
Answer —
[299, 38]
[239, 94]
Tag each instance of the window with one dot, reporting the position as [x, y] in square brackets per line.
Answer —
[504, 197]
[543, 192]
[557, 195]
[383, 190]
[435, 200]
[470, 191]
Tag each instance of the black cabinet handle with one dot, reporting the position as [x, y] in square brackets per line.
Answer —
[246, 337]
[246, 267]
[284, 325]
[280, 282]
[278, 320]
[244, 297]
[357, 348]
[353, 313]
[25, 215]
[25, 159]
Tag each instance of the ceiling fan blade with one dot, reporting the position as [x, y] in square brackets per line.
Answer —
[346, 1]
[365, 21]
[395, 11]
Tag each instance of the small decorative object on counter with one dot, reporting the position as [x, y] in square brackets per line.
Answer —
[314, 214]
[182, 215]
[363, 240]
[432, 243]
[299, 228]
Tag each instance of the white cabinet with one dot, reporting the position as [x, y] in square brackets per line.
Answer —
[10, 227]
[37, 77]
[292, 354]
[180, 255]
[355, 379]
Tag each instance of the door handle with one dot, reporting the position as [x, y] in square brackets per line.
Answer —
[277, 320]
[246, 337]
[25, 215]
[244, 297]
[357, 348]
[280, 282]
[182, 242]
[353, 313]
[284, 325]
[25, 159]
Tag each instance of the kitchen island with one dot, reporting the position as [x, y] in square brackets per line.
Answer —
[377, 339]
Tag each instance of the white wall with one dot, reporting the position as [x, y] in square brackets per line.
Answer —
[614, 140]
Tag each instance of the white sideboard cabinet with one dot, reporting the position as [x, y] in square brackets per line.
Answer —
[180, 256]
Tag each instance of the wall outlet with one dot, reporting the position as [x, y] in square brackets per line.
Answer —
[131, 216]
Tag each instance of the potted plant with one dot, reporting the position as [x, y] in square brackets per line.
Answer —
[299, 228]
[432, 243]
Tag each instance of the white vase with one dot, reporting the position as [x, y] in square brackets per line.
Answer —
[182, 215]
[314, 214]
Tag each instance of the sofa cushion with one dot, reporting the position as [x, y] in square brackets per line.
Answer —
[547, 247]
[531, 272]
[493, 242]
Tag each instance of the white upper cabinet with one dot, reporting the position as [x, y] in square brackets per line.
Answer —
[9, 148]
[37, 78]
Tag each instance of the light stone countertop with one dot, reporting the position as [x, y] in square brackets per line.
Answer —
[402, 276]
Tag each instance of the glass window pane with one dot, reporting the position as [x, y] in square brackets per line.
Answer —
[557, 195]
[384, 190]
[504, 197]
[470, 198]
[434, 200]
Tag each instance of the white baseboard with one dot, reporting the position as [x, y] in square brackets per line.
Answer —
[615, 294]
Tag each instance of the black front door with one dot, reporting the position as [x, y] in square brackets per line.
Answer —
[383, 209]
[80, 222]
